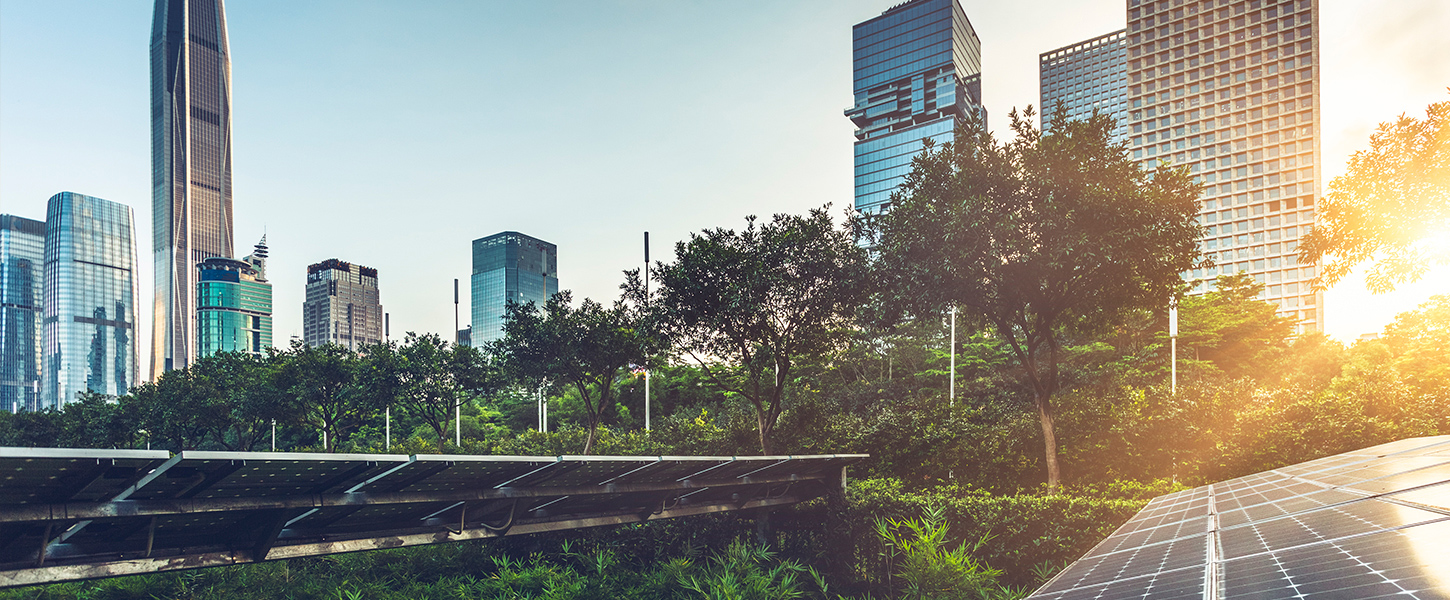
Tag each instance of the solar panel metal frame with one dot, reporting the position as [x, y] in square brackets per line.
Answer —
[199, 509]
[1322, 509]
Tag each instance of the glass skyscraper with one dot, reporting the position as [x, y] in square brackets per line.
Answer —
[342, 305]
[191, 165]
[509, 267]
[22, 259]
[234, 304]
[90, 299]
[1091, 75]
[1230, 89]
[917, 73]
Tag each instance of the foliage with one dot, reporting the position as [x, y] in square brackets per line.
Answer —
[1035, 238]
[1389, 206]
[587, 348]
[1229, 331]
[747, 305]
[929, 567]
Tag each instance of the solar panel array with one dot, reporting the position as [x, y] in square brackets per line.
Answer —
[77, 514]
[1374, 523]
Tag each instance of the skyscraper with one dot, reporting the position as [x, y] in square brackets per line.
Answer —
[342, 305]
[22, 256]
[1230, 89]
[234, 304]
[1091, 75]
[191, 165]
[509, 267]
[90, 299]
[918, 73]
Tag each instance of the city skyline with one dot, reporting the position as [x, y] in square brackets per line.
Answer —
[710, 175]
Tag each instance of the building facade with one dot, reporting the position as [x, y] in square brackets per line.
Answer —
[917, 75]
[1089, 76]
[234, 304]
[89, 300]
[342, 305]
[191, 165]
[508, 267]
[22, 260]
[1230, 89]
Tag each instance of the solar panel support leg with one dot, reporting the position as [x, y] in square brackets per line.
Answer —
[150, 536]
[268, 536]
[44, 542]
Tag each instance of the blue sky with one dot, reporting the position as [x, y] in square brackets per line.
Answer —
[393, 133]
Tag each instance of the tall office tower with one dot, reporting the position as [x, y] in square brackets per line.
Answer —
[1091, 75]
[342, 305]
[22, 256]
[918, 73]
[234, 304]
[191, 165]
[1230, 89]
[509, 267]
[90, 299]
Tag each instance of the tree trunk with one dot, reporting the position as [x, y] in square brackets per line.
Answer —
[1049, 440]
[766, 428]
[589, 439]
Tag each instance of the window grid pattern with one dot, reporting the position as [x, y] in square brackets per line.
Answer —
[1087, 77]
[90, 299]
[233, 308]
[508, 267]
[191, 164]
[917, 73]
[342, 305]
[1230, 90]
[22, 256]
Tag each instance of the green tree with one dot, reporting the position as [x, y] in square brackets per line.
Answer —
[181, 410]
[746, 305]
[330, 398]
[1231, 331]
[431, 377]
[1036, 238]
[587, 348]
[1392, 205]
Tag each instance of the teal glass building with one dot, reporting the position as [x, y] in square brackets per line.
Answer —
[233, 305]
[89, 300]
[917, 74]
[1089, 76]
[509, 267]
[22, 256]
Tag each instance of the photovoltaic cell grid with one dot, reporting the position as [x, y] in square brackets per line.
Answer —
[1373, 523]
[76, 514]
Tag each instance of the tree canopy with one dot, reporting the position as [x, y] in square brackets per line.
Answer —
[1046, 234]
[1391, 207]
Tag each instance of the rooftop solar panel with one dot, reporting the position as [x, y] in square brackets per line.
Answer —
[1373, 523]
[78, 514]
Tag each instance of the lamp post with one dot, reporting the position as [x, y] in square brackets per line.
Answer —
[646, 305]
[952, 380]
[1173, 339]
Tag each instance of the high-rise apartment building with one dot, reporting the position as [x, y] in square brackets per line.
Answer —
[234, 304]
[22, 259]
[509, 267]
[917, 74]
[342, 305]
[90, 299]
[191, 165]
[1230, 89]
[1089, 76]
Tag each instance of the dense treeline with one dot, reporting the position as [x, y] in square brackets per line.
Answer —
[1055, 256]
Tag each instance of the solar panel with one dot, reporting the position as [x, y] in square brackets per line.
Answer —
[76, 514]
[1373, 523]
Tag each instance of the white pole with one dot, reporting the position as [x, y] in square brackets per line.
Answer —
[646, 303]
[953, 379]
[1173, 339]
[458, 424]
[274, 435]
[388, 427]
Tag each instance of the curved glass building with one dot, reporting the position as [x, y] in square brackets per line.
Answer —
[90, 299]
[191, 165]
[233, 305]
[509, 267]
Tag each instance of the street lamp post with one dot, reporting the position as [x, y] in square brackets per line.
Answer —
[1173, 339]
[952, 385]
[646, 305]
